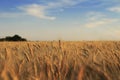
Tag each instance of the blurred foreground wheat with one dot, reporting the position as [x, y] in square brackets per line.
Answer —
[85, 60]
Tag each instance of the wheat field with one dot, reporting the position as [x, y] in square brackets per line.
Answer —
[60, 60]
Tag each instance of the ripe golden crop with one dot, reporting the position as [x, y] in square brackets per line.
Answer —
[60, 60]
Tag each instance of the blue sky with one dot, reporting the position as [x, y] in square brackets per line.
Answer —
[61, 19]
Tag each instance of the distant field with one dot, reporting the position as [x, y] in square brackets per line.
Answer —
[56, 60]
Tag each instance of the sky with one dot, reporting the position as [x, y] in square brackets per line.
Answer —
[71, 20]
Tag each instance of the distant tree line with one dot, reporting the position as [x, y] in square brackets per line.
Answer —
[13, 38]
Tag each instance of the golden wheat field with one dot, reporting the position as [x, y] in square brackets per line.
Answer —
[60, 60]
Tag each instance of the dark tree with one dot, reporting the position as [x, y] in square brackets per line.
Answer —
[8, 38]
[23, 39]
[13, 38]
[2, 39]
[16, 38]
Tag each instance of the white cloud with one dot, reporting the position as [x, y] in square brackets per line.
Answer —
[40, 11]
[64, 3]
[96, 19]
[99, 23]
[37, 11]
[95, 16]
[114, 9]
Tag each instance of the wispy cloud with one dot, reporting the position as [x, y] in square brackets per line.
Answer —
[93, 16]
[99, 23]
[114, 9]
[40, 11]
[96, 19]
[37, 11]
[64, 3]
